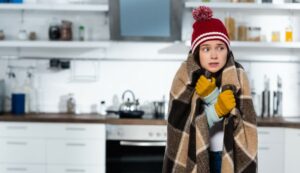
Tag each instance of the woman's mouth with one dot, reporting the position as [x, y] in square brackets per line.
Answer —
[213, 64]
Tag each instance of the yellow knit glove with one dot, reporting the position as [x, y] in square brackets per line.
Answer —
[204, 86]
[225, 103]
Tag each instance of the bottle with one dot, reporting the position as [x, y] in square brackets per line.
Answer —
[255, 99]
[277, 99]
[102, 108]
[30, 94]
[71, 104]
[289, 34]
[266, 98]
[81, 33]
[9, 89]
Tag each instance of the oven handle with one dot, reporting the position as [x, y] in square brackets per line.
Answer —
[143, 144]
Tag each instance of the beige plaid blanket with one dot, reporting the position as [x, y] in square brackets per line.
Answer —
[187, 148]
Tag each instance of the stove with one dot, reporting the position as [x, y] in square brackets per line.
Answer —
[135, 148]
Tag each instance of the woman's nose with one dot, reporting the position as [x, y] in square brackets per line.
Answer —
[214, 54]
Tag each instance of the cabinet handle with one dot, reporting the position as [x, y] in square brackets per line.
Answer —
[74, 170]
[75, 129]
[16, 169]
[17, 127]
[264, 148]
[75, 144]
[16, 143]
[143, 144]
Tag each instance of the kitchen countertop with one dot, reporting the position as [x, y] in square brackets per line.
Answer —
[291, 122]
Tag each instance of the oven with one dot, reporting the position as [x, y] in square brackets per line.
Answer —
[135, 148]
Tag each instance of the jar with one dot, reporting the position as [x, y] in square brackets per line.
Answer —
[230, 26]
[254, 33]
[32, 35]
[2, 35]
[289, 34]
[242, 32]
[54, 30]
[275, 36]
[22, 34]
[66, 30]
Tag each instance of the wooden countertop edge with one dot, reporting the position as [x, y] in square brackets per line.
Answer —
[88, 118]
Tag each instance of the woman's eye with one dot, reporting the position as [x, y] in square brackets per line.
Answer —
[205, 49]
[221, 48]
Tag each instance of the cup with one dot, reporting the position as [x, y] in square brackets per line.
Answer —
[18, 103]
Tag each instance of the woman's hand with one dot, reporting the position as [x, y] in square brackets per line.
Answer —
[225, 103]
[205, 86]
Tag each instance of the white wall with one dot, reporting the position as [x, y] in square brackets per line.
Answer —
[150, 68]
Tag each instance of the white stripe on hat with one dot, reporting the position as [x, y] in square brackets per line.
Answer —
[195, 44]
[209, 33]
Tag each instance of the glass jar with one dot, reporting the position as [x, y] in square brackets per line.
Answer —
[66, 30]
[54, 30]
[254, 33]
[230, 26]
[275, 36]
[2, 35]
[242, 32]
[22, 34]
[289, 34]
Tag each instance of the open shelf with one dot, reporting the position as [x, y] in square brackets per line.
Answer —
[54, 44]
[56, 7]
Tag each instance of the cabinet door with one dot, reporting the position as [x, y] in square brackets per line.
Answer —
[81, 152]
[76, 131]
[75, 169]
[292, 151]
[270, 158]
[21, 129]
[270, 150]
[21, 168]
[21, 150]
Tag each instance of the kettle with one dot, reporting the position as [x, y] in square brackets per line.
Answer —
[128, 105]
[129, 109]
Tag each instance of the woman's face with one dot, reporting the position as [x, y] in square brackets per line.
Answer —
[213, 55]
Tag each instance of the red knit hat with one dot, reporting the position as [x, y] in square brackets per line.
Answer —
[207, 28]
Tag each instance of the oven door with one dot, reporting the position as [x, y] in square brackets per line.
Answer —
[134, 156]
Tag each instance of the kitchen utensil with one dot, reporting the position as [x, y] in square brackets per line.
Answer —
[129, 108]
[159, 109]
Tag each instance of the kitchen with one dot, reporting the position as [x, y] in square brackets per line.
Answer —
[69, 66]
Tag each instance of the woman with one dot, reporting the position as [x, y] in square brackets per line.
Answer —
[212, 122]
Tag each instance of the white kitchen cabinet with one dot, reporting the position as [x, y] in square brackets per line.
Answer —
[22, 168]
[22, 150]
[72, 147]
[52, 147]
[74, 169]
[292, 151]
[270, 150]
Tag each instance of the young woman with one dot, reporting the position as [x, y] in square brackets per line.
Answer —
[212, 122]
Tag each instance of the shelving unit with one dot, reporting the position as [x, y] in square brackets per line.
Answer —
[57, 7]
[39, 48]
[245, 6]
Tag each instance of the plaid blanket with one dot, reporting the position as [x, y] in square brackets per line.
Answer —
[188, 132]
